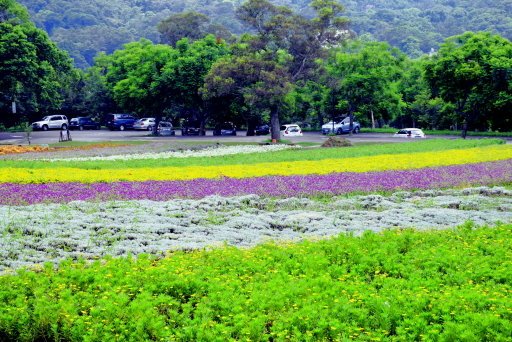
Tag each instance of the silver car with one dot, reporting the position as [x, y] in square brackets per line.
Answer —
[51, 122]
[165, 129]
[340, 127]
[146, 124]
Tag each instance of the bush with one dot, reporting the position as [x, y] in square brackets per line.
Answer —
[336, 142]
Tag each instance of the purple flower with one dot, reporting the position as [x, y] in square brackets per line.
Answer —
[286, 186]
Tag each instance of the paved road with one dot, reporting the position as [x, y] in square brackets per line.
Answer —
[49, 137]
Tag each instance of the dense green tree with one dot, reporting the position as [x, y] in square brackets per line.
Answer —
[251, 83]
[134, 75]
[473, 72]
[191, 25]
[292, 41]
[304, 39]
[85, 28]
[159, 80]
[365, 78]
[308, 102]
[33, 70]
[184, 75]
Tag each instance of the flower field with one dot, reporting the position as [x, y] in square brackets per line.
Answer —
[409, 241]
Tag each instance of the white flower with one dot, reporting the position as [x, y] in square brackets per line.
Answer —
[208, 152]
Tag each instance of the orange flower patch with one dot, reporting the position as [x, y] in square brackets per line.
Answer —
[12, 149]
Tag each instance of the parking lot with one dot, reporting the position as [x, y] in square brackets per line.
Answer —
[52, 136]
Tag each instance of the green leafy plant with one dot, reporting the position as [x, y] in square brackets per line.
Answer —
[398, 285]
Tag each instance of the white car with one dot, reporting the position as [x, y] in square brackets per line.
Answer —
[409, 133]
[51, 122]
[291, 131]
[144, 124]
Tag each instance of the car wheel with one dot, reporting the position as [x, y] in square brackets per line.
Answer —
[44, 128]
[339, 131]
[64, 126]
[150, 128]
[356, 130]
[81, 128]
[122, 128]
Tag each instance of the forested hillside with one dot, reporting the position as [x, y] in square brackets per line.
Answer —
[84, 28]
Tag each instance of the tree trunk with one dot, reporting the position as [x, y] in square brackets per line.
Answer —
[251, 126]
[373, 119]
[158, 118]
[320, 118]
[202, 129]
[202, 115]
[275, 125]
[464, 129]
[351, 124]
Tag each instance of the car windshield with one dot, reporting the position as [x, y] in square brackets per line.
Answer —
[45, 118]
[165, 124]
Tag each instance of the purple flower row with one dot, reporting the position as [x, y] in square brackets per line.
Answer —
[333, 184]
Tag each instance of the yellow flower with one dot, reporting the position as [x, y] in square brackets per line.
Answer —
[356, 164]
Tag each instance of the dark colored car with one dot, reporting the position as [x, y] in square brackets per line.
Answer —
[119, 121]
[226, 128]
[192, 128]
[82, 123]
[262, 130]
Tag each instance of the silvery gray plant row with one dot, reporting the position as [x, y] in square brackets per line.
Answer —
[42, 233]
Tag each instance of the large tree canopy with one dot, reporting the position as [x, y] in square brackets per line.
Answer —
[32, 69]
[159, 80]
[133, 75]
[364, 80]
[191, 25]
[473, 71]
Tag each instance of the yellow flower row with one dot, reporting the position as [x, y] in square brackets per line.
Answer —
[356, 164]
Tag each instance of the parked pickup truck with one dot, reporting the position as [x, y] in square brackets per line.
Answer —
[340, 127]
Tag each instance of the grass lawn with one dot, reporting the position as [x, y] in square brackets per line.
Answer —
[440, 132]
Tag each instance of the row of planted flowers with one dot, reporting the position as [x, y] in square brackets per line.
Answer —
[487, 173]
[301, 167]
[49, 232]
[372, 288]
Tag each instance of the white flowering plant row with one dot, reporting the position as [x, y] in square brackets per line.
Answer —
[52, 232]
[212, 151]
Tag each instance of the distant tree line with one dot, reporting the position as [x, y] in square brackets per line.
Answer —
[85, 28]
[291, 68]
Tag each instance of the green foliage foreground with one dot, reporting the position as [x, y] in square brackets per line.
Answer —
[400, 285]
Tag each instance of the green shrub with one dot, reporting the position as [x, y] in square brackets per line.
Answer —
[400, 285]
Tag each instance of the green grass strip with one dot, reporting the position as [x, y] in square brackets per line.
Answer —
[278, 156]
[440, 132]
[400, 285]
